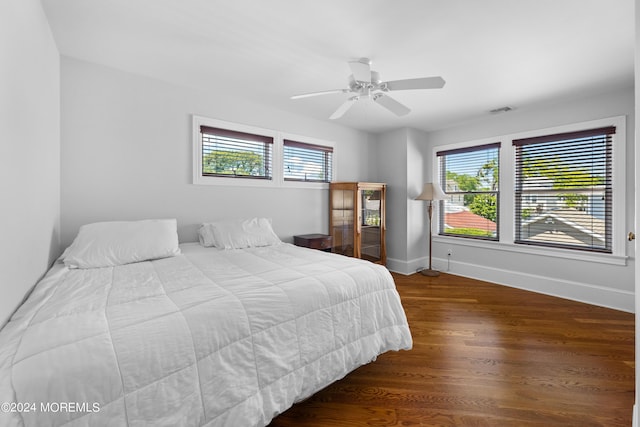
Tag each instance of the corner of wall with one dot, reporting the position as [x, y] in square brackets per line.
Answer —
[30, 85]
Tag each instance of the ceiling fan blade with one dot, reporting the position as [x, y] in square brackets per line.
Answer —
[391, 104]
[361, 69]
[419, 83]
[343, 108]
[324, 92]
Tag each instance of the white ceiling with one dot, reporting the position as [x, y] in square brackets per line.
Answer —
[492, 53]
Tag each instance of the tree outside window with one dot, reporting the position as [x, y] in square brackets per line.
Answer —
[470, 178]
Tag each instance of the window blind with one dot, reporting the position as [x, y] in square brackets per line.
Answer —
[234, 154]
[563, 190]
[470, 178]
[307, 162]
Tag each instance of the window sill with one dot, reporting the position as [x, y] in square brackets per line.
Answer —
[537, 251]
[248, 182]
[231, 182]
[308, 185]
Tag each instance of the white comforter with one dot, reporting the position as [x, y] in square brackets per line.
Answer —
[207, 338]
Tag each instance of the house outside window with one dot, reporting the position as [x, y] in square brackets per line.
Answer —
[470, 179]
[564, 190]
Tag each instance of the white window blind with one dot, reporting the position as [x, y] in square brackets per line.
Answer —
[563, 193]
[469, 178]
[233, 154]
[307, 162]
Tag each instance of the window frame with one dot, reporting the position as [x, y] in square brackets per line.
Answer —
[327, 160]
[277, 153]
[583, 140]
[442, 171]
[313, 142]
[266, 143]
[507, 190]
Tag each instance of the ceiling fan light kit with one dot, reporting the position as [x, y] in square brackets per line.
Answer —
[366, 83]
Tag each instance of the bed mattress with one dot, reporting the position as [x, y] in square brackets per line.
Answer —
[207, 338]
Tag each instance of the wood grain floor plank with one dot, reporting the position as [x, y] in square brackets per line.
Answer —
[488, 355]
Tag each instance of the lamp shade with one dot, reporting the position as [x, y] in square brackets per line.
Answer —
[431, 191]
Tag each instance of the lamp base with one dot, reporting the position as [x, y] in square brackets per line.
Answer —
[429, 272]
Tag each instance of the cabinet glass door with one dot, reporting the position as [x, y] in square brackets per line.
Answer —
[371, 217]
[342, 212]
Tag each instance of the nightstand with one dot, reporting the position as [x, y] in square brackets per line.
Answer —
[323, 242]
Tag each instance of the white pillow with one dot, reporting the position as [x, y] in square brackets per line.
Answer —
[107, 244]
[238, 234]
[205, 235]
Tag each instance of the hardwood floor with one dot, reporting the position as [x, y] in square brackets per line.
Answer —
[487, 355]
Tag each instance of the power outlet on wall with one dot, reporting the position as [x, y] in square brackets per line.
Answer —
[449, 252]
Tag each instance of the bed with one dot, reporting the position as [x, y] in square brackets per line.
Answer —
[203, 336]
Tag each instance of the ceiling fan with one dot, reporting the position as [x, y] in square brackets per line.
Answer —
[366, 83]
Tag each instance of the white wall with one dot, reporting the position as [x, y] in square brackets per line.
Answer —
[29, 150]
[127, 150]
[596, 283]
[417, 222]
[391, 169]
[401, 165]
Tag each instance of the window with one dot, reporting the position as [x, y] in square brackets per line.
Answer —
[564, 191]
[233, 154]
[469, 178]
[307, 162]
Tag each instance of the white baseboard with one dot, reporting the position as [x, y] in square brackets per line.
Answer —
[634, 421]
[406, 267]
[587, 293]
